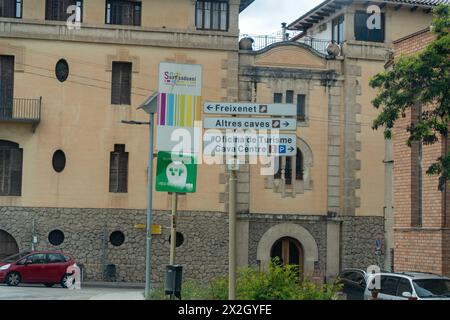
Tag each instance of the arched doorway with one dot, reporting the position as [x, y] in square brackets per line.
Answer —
[288, 250]
[8, 245]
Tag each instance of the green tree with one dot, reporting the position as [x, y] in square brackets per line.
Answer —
[423, 79]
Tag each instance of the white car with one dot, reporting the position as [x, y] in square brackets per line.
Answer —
[407, 286]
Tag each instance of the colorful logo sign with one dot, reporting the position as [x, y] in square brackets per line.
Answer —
[179, 104]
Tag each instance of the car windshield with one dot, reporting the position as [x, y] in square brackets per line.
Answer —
[15, 257]
[431, 288]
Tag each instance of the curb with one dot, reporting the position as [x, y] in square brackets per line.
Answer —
[114, 285]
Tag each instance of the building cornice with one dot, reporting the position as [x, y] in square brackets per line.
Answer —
[121, 35]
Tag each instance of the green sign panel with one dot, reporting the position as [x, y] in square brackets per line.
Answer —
[176, 173]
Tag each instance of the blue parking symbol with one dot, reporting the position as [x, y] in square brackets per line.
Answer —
[282, 149]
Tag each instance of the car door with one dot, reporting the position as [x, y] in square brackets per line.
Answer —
[344, 278]
[404, 285]
[33, 271]
[57, 267]
[388, 290]
[358, 283]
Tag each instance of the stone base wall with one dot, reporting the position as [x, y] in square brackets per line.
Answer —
[87, 231]
[204, 253]
[358, 235]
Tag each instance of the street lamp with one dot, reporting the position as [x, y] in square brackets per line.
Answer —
[149, 106]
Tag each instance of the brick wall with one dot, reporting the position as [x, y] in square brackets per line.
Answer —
[421, 246]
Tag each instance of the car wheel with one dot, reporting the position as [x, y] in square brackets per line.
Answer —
[13, 279]
[65, 279]
[49, 285]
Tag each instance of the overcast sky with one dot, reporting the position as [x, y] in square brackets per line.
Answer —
[266, 16]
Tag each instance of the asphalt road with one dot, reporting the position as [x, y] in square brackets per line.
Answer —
[39, 292]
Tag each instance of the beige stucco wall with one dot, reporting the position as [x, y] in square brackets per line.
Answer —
[371, 155]
[316, 136]
[78, 118]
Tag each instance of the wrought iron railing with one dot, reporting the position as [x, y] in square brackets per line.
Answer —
[21, 110]
[262, 41]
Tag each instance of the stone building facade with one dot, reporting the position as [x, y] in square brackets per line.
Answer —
[326, 204]
[421, 212]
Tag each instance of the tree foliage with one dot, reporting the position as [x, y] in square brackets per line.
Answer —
[420, 79]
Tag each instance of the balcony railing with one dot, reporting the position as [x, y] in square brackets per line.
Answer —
[21, 110]
[262, 41]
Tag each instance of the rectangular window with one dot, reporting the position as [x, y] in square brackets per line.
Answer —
[301, 107]
[338, 29]
[362, 31]
[277, 98]
[118, 170]
[6, 86]
[212, 15]
[121, 83]
[289, 96]
[123, 12]
[11, 8]
[62, 10]
[10, 171]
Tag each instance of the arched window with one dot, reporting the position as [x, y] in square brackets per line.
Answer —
[10, 169]
[288, 168]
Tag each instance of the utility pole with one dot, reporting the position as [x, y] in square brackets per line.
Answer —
[233, 167]
[173, 233]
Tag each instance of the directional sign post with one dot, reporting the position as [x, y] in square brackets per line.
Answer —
[251, 123]
[276, 109]
[252, 144]
[262, 138]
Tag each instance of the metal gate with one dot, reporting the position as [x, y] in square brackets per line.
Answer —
[8, 245]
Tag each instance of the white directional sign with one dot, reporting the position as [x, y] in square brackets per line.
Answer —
[253, 144]
[288, 124]
[276, 109]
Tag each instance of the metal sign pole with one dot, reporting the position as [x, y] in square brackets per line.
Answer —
[148, 265]
[232, 236]
[173, 234]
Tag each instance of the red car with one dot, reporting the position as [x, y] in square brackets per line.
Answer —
[46, 267]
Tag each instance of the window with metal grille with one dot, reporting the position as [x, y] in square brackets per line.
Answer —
[58, 10]
[123, 12]
[288, 168]
[10, 169]
[6, 86]
[212, 15]
[121, 83]
[118, 170]
[363, 33]
[11, 8]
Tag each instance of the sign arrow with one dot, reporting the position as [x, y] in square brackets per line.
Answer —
[286, 124]
[291, 149]
[209, 107]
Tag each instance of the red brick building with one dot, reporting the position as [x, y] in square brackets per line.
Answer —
[421, 213]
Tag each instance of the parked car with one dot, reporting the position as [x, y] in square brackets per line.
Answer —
[46, 267]
[408, 286]
[354, 283]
